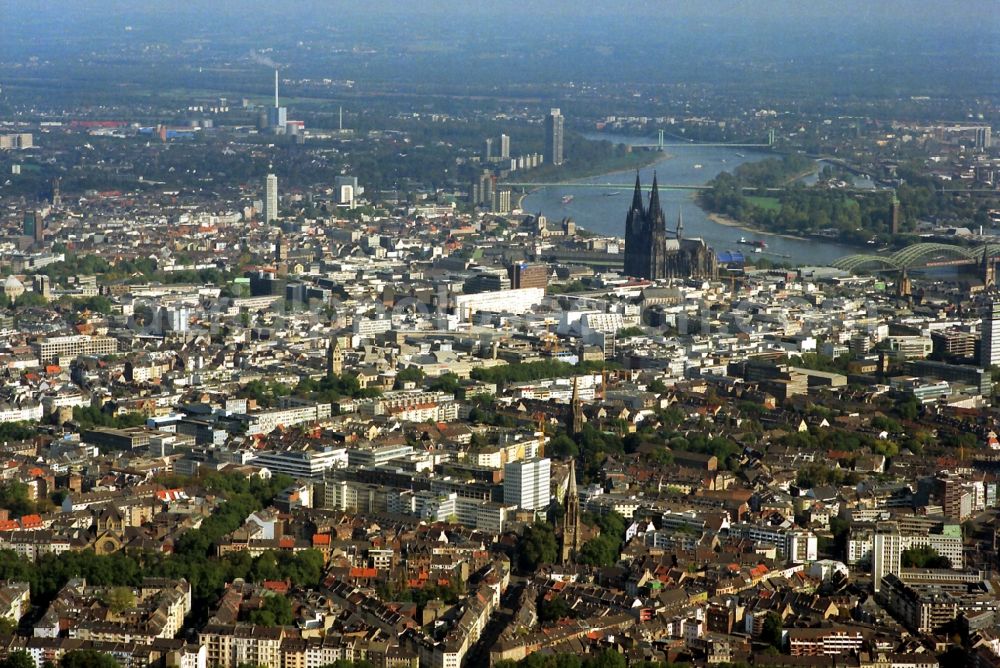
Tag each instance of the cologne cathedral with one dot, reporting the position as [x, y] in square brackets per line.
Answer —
[648, 251]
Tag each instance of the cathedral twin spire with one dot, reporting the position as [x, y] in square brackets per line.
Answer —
[637, 196]
[654, 212]
[646, 234]
[648, 252]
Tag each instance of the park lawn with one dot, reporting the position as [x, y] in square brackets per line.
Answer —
[766, 203]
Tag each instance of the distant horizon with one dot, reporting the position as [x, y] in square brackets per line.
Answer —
[898, 48]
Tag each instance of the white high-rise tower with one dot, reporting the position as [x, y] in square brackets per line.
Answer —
[989, 346]
[271, 198]
[526, 484]
[554, 138]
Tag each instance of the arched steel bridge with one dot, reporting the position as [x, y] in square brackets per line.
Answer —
[919, 255]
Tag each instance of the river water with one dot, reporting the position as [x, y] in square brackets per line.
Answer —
[602, 210]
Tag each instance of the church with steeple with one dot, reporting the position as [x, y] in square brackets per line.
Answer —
[648, 251]
[571, 518]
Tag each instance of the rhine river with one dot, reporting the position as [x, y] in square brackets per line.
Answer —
[602, 210]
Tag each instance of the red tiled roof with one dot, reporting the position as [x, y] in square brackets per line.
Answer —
[277, 586]
[360, 572]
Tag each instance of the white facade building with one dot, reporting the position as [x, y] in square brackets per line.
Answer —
[526, 484]
[271, 198]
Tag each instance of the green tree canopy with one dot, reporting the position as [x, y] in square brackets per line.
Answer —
[87, 658]
[923, 557]
[537, 546]
[18, 659]
[771, 631]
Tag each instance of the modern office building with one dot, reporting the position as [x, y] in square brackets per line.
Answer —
[487, 279]
[19, 140]
[503, 301]
[524, 275]
[302, 462]
[175, 318]
[963, 374]
[957, 498]
[347, 190]
[367, 454]
[989, 345]
[887, 551]
[32, 221]
[954, 343]
[74, 345]
[526, 484]
[271, 198]
[554, 137]
[295, 412]
[984, 138]
[483, 188]
[884, 547]
[501, 201]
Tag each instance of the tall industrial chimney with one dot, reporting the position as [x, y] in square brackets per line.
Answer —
[275, 89]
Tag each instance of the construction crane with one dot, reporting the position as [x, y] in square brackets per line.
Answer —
[551, 344]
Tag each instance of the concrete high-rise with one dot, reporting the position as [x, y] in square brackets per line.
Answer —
[505, 147]
[984, 138]
[526, 484]
[989, 344]
[271, 198]
[524, 275]
[30, 225]
[501, 200]
[887, 551]
[483, 189]
[554, 137]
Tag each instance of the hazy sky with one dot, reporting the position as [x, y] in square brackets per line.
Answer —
[564, 38]
[924, 16]
[946, 11]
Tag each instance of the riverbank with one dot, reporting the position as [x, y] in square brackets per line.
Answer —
[726, 221]
[603, 212]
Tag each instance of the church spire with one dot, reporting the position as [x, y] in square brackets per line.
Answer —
[654, 201]
[637, 195]
[571, 483]
[571, 517]
[988, 269]
[576, 421]
[680, 225]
